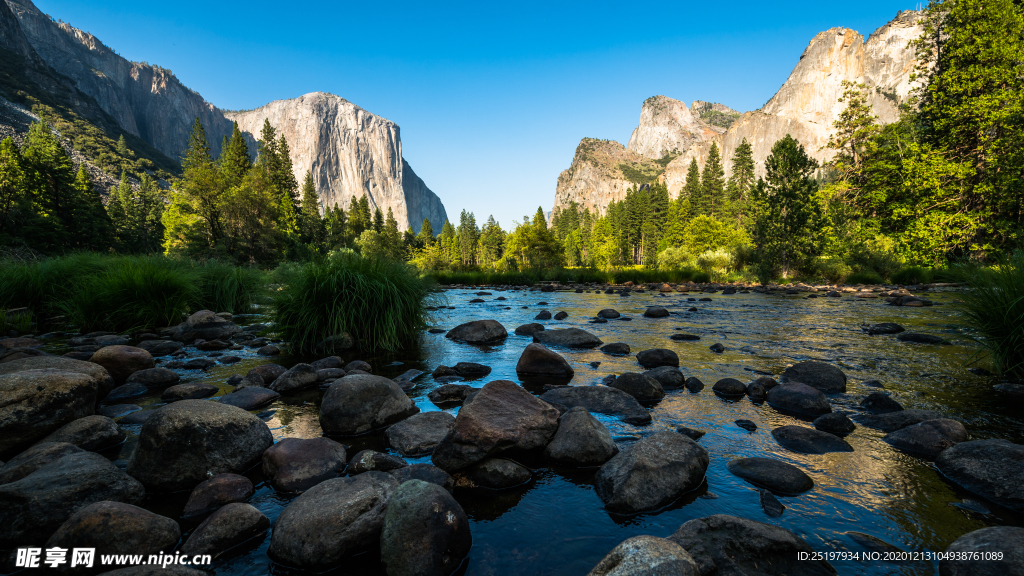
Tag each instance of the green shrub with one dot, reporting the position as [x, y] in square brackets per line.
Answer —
[675, 258]
[876, 255]
[227, 288]
[132, 293]
[994, 307]
[864, 278]
[379, 302]
[701, 277]
[912, 275]
[832, 270]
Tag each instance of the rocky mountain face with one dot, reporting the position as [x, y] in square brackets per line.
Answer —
[667, 126]
[806, 107]
[349, 151]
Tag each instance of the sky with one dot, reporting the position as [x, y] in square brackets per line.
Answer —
[491, 98]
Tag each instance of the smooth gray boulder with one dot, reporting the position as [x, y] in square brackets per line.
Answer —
[800, 399]
[669, 377]
[730, 546]
[373, 461]
[154, 378]
[502, 416]
[775, 475]
[478, 332]
[644, 388]
[975, 553]
[425, 533]
[581, 440]
[425, 472]
[529, 329]
[35, 403]
[297, 377]
[335, 519]
[990, 468]
[880, 403]
[646, 556]
[104, 382]
[567, 338]
[537, 361]
[601, 400]
[359, 403]
[92, 433]
[655, 312]
[229, 526]
[657, 357]
[188, 391]
[34, 506]
[117, 528]
[494, 474]
[296, 464]
[651, 473]
[420, 433]
[729, 388]
[892, 421]
[205, 325]
[824, 377]
[160, 347]
[249, 398]
[218, 491]
[929, 437]
[189, 441]
[34, 458]
[809, 440]
[122, 361]
[836, 423]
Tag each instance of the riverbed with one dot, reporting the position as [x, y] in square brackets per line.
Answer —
[556, 524]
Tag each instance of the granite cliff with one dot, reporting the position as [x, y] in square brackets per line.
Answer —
[805, 107]
[351, 153]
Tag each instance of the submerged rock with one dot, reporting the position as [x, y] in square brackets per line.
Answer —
[602, 400]
[971, 554]
[493, 473]
[335, 519]
[359, 403]
[425, 532]
[296, 464]
[426, 473]
[373, 461]
[581, 440]
[568, 338]
[189, 391]
[420, 433]
[646, 556]
[529, 329]
[229, 526]
[836, 423]
[657, 357]
[729, 387]
[537, 361]
[824, 377]
[880, 403]
[643, 388]
[450, 394]
[892, 421]
[478, 332]
[918, 338]
[693, 384]
[501, 416]
[651, 473]
[799, 398]
[218, 491]
[728, 545]
[669, 377]
[809, 440]
[250, 397]
[154, 378]
[990, 468]
[187, 441]
[616, 349]
[774, 475]
[929, 437]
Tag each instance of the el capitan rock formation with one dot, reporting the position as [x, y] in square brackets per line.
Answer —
[350, 151]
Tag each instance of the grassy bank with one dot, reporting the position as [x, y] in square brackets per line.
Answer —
[569, 276]
[994, 307]
[119, 293]
[379, 302]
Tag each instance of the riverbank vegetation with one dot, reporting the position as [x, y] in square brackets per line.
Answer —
[994, 307]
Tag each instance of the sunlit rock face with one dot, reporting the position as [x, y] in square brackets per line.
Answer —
[805, 107]
[349, 151]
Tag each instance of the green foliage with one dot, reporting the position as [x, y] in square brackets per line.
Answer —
[719, 118]
[912, 275]
[675, 258]
[131, 293]
[715, 262]
[712, 199]
[832, 270]
[223, 287]
[785, 210]
[994, 307]
[379, 302]
[865, 278]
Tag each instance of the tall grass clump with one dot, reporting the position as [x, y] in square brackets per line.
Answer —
[226, 288]
[994, 307]
[132, 293]
[379, 302]
[41, 286]
[864, 278]
[912, 275]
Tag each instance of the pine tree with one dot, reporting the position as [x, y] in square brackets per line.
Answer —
[426, 236]
[51, 178]
[337, 228]
[785, 210]
[712, 182]
[122, 147]
[392, 237]
[313, 229]
[742, 180]
[235, 160]
[94, 225]
[692, 190]
[283, 175]
[198, 151]
[14, 200]
[358, 217]
[378, 220]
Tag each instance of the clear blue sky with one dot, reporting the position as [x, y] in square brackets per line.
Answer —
[492, 98]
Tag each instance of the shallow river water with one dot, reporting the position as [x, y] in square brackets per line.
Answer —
[556, 524]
